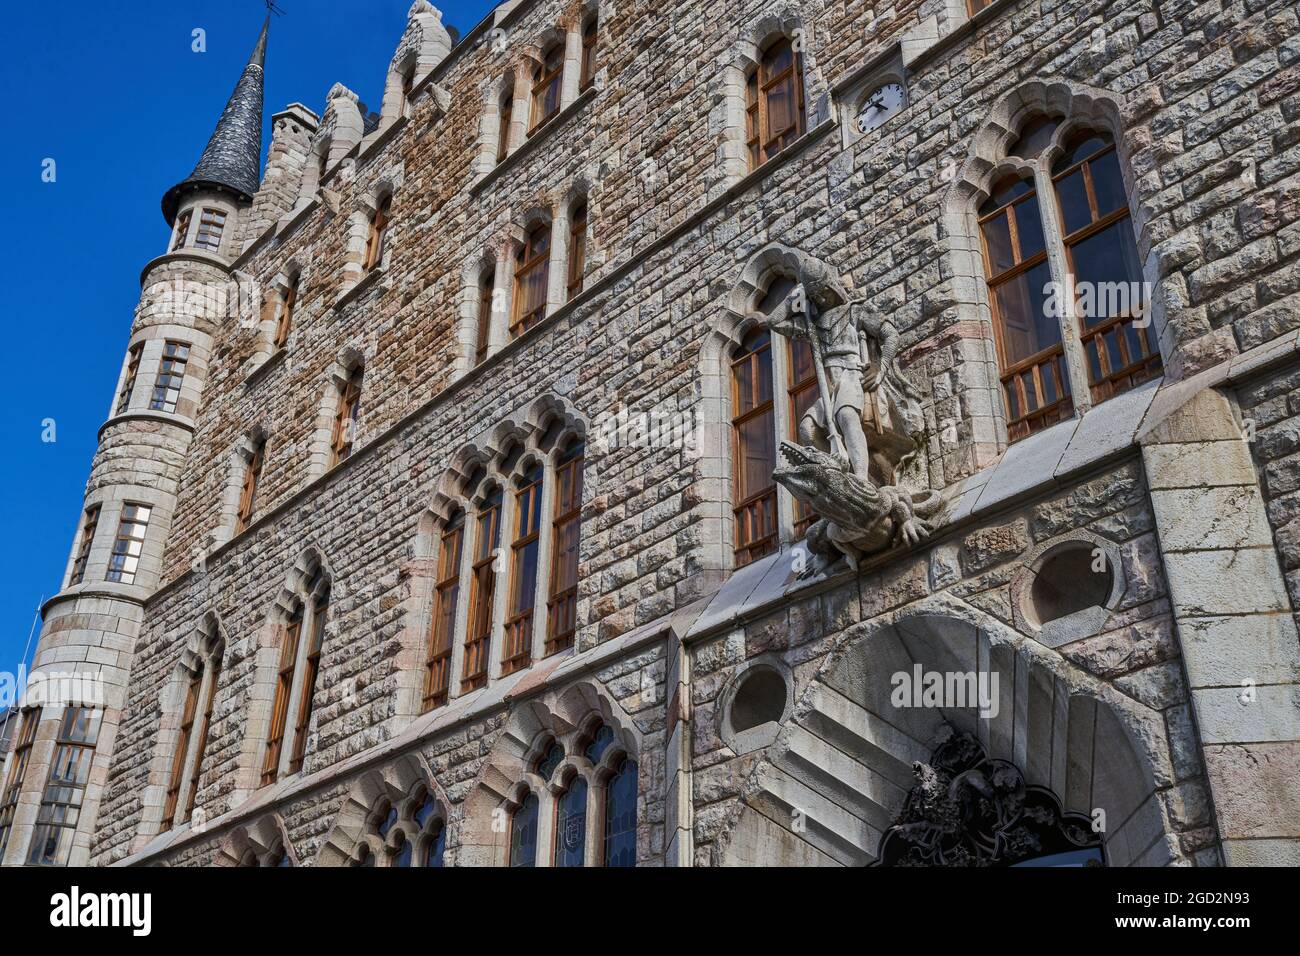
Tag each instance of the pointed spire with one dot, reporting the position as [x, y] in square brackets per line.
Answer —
[232, 160]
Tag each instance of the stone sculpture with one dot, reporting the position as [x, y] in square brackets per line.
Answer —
[864, 489]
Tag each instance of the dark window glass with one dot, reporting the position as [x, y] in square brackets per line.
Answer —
[620, 816]
[436, 847]
[571, 824]
[523, 833]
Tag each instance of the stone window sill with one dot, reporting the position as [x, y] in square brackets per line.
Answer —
[264, 368]
[371, 278]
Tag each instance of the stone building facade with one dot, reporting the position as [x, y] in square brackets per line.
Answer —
[414, 533]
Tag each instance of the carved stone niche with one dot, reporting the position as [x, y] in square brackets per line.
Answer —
[969, 810]
[1067, 588]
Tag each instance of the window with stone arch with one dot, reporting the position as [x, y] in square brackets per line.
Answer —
[301, 636]
[773, 384]
[377, 234]
[532, 279]
[277, 856]
[409, 832]
[577, 265]
[200, 672]
[505, 117]
[547, 76]
[483, 315]
[1067, 339]
[590, 39]
[502, 546]
[577, 802]
[775, 115]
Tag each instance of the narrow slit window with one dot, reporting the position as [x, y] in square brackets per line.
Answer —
[188, 714]
[182, 229]
[287, 306]
[88, 525]
[566, 534]
[546, 88]
[445, 602]
[248, 494]
[532, 275]
[517, 652]
[478, 636]
[289, 637]
[311, 670]
[577, 249]
[753, 426]
[590, 33]
[128, 383]
[377, 239]
[345, 418]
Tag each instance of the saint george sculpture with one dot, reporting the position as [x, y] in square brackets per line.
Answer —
[859, 462]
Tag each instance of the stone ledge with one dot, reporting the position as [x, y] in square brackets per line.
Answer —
[164, 417]
[263, 369]
[463, 710]
[184, 255]
[369, 279]
[529, 145]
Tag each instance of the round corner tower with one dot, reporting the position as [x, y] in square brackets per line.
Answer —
[70, 714]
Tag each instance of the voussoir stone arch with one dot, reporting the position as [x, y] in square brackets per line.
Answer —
[393, 783]
[1095, 747]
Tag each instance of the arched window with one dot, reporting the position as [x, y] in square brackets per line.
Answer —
[433, 833]
[1092, 233]
[523, 833]
[311, 670]
[620, 815]
[590, 32]
[201, 691]
[517, 652]
[484, 331]
[377, 237]
[478, 636]
[803, 394]
[287, 306]
[346, 413]
[248, 493]
[505, 114]
[1035, 383]
[566, 534]
[571, 824]
[546, 87]
[1101, 250]
[774, 102]
[577, 249]
[446, 598]
[301, 640]
[532, 274]
[754, 448]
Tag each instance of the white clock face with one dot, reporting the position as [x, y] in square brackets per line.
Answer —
[882, 103]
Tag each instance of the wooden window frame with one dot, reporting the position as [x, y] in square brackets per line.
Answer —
[561, 604]
[377, 238]
[248, 493]
[1050, 359]
[169, 380]
[590, 38]
[517, 648]
[577, 251]
[182, 230]
[17, 772]
[1135, 370]
[89, 525]
[804, 515]
[547, 78]
[478, 632]
[530, 260]
[345, 417]
[290, 634]
[213, 676]
[446, 602]
[124, 538]
[212, 228]
[761, 142]
[189, 714]
[285, 322]
[133, 356]
[64, 791]
[747, 549]
[311, 671]
[486, 287]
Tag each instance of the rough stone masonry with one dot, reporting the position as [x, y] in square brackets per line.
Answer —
[357, 380]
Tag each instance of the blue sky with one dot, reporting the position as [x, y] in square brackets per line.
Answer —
[114, 94]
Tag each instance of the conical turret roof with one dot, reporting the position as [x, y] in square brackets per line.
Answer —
[232, 160]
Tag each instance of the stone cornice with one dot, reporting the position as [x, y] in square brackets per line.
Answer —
[164, 417]
[185, 255]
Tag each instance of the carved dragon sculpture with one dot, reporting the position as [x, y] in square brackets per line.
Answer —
[855, 517]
